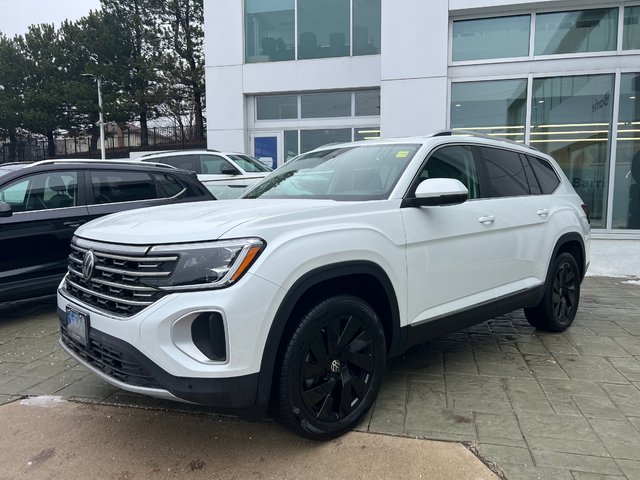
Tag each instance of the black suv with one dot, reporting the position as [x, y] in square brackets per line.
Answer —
[41, 205]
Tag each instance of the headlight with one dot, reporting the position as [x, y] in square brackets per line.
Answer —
[202, 266]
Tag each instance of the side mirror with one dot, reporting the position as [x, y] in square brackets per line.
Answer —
[5, 210]
[434, 192]
[229, 170]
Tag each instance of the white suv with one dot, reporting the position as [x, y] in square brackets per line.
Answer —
[225, 174]
[296, 295]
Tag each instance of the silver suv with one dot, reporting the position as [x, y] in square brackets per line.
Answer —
[296, 294]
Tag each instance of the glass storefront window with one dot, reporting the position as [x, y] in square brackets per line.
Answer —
[501, 37]
[275, 107]
[626, 195]
[366, 133]
[576, 32]
[367, 103]
[366, 27]
[290, 144]
[324, 105]
[571, 121]
[323, 28]
[310, 139]
[269, 30]
[631, 31]
[496, 108]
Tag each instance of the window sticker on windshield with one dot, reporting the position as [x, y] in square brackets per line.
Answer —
[402, 154]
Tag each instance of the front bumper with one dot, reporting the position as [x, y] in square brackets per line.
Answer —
[123, 366]
[149, 353]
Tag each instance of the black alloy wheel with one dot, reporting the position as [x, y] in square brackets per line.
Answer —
[557, 310]
[332, 368]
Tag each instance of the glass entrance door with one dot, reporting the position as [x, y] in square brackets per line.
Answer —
[267, 147]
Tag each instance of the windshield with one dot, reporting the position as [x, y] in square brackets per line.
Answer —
[366, 172]
[249, 164]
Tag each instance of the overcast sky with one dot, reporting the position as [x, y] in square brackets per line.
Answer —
[17, 15]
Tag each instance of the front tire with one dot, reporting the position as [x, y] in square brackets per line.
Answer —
[559, 305]
[331, 369]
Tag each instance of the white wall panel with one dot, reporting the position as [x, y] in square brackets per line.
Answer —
[414, 38]
[223, 32]
[320, 74]
[414, 106]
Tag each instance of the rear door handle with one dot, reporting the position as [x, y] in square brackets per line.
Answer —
[487, 220]
[543, 212]
[75, 224]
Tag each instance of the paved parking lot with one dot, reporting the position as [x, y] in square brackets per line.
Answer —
[556, 406]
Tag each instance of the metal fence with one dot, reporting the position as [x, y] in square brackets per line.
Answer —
[116, 145]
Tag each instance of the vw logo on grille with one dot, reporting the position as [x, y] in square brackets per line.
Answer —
[88, 263]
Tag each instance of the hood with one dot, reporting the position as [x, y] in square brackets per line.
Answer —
[189, 222]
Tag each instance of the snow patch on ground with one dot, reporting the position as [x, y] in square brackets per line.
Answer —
[615, 258]
[632, 282]
[43, 401]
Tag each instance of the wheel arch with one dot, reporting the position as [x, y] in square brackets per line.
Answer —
[572, 243]
[364, 279]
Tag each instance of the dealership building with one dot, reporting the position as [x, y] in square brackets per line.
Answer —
[286, 76]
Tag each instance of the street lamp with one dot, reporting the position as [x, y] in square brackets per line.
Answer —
[101, 120]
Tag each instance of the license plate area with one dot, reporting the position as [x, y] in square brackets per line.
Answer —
[78, 326]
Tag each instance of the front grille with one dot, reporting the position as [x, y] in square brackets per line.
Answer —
[110, 359]
[121, 278]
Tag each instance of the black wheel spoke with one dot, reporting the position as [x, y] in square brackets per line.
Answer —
[315, 395]
[326, 410]
[361, 342]
[363, 361]
[313, 370]
[333, 336]
[350, 330]
[319, 351]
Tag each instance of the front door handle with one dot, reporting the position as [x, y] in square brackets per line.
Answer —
[74, 224]
[487, 220]
[543, 212]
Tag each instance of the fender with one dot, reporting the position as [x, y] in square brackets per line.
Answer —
[295, 293]
[571, 237]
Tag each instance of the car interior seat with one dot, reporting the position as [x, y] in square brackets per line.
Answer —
[61, 199]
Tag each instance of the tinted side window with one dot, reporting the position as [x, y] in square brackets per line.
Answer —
[213, 164]
[58, 189]
[505, 172]
[455, 161]
[112, 186]
[534, 186]
[169, 185]
[545, 174]
[185, 162]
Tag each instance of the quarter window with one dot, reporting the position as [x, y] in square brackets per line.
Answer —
[505, 172]
[168, 184]
[545, 174]
[118, 186]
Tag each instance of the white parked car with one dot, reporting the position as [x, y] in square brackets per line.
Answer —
[298, 293]
[225, 174]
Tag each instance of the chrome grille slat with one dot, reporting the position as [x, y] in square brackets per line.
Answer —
[132, 273]
[118, 284]
[108, 297]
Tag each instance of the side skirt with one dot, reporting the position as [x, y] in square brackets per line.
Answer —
[439, 326]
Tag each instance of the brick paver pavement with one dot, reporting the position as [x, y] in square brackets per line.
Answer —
[539, 405]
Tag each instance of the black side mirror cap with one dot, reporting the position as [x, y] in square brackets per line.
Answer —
[5, 210]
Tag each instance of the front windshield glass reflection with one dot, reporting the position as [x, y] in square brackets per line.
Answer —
[366, 172]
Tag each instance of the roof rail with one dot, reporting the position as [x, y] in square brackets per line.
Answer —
[469, 133]
[93, 160]
[160, 152]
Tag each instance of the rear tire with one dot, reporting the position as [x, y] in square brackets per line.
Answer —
[331, 369]
[559, 305]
